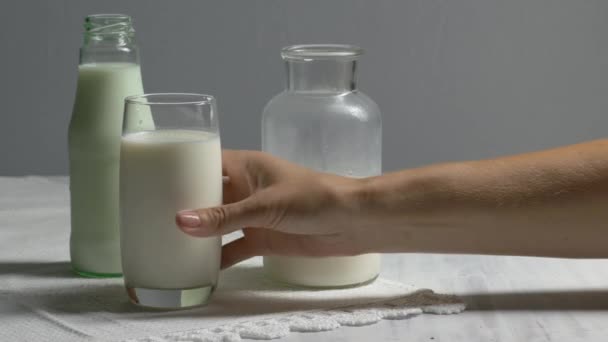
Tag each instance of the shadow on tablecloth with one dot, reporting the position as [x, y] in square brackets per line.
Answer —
[242, 291]
[53, 287]
[565, 300]
[57, 269]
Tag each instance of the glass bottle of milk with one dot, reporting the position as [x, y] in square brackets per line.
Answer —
[322, 121]
[108, 72]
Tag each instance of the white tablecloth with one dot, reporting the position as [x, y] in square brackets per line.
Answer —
[42, 300]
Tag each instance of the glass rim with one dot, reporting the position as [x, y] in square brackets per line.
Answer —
[197, 99]
[307, 52]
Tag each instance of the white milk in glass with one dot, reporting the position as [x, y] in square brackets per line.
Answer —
[162, 172]
[94, 147]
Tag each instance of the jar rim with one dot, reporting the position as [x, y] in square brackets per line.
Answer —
[310, 52]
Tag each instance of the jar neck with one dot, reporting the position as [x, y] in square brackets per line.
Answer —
[108, 38]
[321, 76]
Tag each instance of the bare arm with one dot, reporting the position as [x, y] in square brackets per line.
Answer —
[550, 203]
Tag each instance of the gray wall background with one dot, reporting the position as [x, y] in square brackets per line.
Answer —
[455, 79]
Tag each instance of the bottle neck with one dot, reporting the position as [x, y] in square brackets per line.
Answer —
[109, 38]
[321, 75]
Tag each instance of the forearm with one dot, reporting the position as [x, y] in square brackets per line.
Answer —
[551, 203]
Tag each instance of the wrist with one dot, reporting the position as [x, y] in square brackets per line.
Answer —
[344, 192]
[348, 197]
[358, 210]
[401, 212]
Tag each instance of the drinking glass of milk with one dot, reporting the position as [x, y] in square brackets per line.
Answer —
[168, 164]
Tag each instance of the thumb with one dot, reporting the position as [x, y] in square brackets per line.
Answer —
[223, 219]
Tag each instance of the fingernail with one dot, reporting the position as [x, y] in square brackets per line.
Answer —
[188, 219]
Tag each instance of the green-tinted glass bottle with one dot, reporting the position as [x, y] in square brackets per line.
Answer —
[108, 72]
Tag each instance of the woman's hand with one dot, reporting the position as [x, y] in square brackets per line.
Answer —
[286, 209]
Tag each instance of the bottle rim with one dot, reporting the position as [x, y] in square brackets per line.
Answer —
[108, 24]
[310, 52]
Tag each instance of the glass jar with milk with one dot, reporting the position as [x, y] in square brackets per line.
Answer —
[322, 121]
[108, 72]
